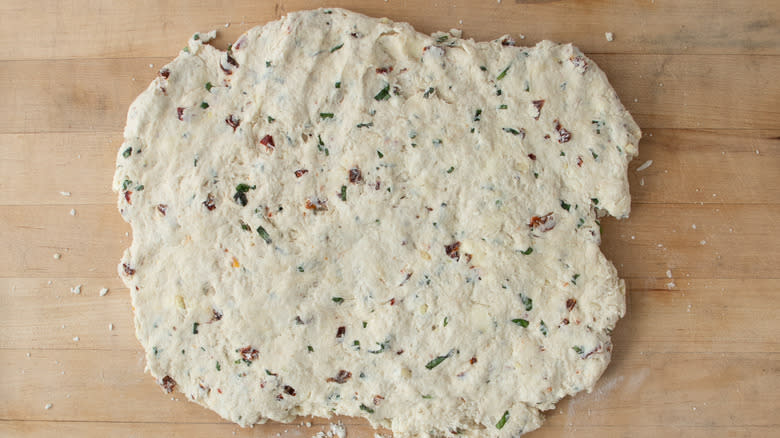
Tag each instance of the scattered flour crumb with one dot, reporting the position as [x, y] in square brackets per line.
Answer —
[28, 354]
[57, 256]
[151, 65]
[633, 237]
[693, 226]
[757, 152]
[72, 211]
[609, 36]
[103, 291]
[75, 339]
[644, 165]
[308, 424]
[338, 430]
[460, 21]
[670, 285]
[689, 308]
[68, 193]
[227, 25]
[668, 273]
[703, 242]
[642, 182]
[76, 290]
[48, 406]
[110, 327]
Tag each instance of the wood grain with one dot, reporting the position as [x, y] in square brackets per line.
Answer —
[699, 358]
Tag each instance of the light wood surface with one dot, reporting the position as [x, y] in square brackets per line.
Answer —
[699, 359]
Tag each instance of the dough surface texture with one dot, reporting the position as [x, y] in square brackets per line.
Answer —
[340, 215]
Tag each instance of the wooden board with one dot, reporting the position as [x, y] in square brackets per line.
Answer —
[700, 358]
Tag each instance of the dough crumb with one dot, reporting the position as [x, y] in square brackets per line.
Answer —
[668, 273]
[72, 211]
[703, 242]
[48, 406]
[609, 36]
[670, 285]
[76, 290]
[57, 256]
[644, 165]
[227, 25]
[103, 291]
[693, 226]
[110, 327]
[75, 339]
[28, 354]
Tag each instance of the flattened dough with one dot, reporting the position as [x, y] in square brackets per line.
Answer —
[344, 216]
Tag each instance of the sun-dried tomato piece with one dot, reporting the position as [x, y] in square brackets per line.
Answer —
[162, 208]
[538, 104]
[563, 134]
[508, 41]
[164, 73]
[209, 202]
[300, 172]
[355, 175]
[249, 353]
[233, 121]
[378, 399]
[452, 250]
[378, 185]
[317, 204]
[230, 61]
[341, 377]
[268, 142]
[216, 315]
[128, 269]
[180, 113]
[128, 193]
[384, 70]
[570, 303]
[543, 223]
[579, 161]
[532, 157]
[341, 331]
[473, 360]
[168, 384]
[289, 390]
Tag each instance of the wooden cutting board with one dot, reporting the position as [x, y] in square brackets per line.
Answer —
[697, 354]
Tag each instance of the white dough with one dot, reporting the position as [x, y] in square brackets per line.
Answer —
[344, 216]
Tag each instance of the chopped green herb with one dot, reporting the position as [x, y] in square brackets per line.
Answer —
[521, 322]
[446, 321]
[196, 37]
[428, 92]
[502, 106]
[574, 279]
[527, 302]
[543, 328]
[503, 73]
[204, 105]
[442, 38]
[268, 63]
[364, 324]
[365, 125]
[477, 114]
[563, 154]
[595, 155]
[512, 131]
[527, 251]
[384, 94]
[326, 115]
[356, 343]
[366, 408]
[503, 420]
[427, 396]
[336, 47]
[595, 201]
[578, 349]
[195, 328]
[483, 68]
[344, 193]
[271, 119]
[435, 362]
[527, 87]
[321, 146]
[337, 300]
[452, 168]
[264, 234]
[139, 188]
[338, 85]
[209, 86]
[437, 142]
[565, 206]
[127, 152]
[380, 154]
[244, 226]
[186, 50]
[219, 367]
[243, 188]
[310, 348]
[536, 174]
[126, 183]
[581, 223]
